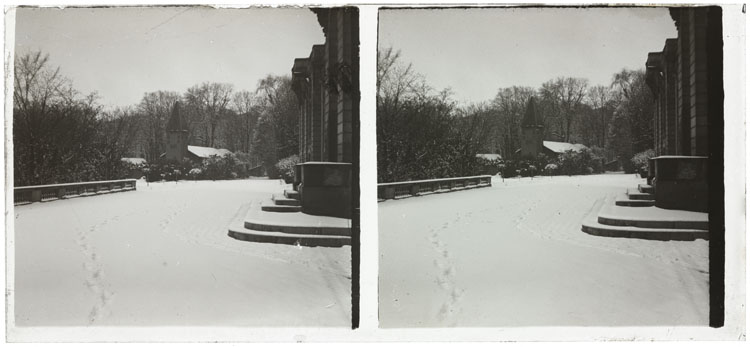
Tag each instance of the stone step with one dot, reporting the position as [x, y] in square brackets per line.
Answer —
[624, 200]
[239, 232]
[271, 207]
[645, 188]
[636, 195]
[598, 229]
[660, 224]
[293, 227]
[651, 217]
[592, 226]
[291, 194]
[279, 199]
[634, 203]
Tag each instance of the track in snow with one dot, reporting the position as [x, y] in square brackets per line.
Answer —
[514, 255]
[161, 256]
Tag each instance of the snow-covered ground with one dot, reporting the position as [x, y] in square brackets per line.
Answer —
[514, 255]
[160, 256]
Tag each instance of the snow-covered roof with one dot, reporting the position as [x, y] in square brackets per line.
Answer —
[490, 156]
[134, 161]
[205, 152]
[560, 147]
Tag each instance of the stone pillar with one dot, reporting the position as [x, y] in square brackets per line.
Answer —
[348, 37]
[332, 91]
[670, 86]
[317, 60]
[36, 195]
[301, 85]
[698, 92]
[682, 95]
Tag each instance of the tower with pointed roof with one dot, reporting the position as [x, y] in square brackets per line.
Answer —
[532, 131]
[177, 135]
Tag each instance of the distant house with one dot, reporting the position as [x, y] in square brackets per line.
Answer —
[490, 156]
[200, 153]
[556, 148]
[532, 131]
[177, 141]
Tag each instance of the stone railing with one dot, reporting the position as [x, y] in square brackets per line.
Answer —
[29, 194]
[398, 190]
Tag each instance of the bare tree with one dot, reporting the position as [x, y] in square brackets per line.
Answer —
[510, 104]
[602, 103]
[276, 134]
[246, 107]
[155, 109]
[116, 135]
[53, 126]
[210, 102]
[635, 102]
[567, 95]
[397, 81]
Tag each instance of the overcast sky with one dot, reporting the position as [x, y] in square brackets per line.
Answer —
[125, 52]
[477, 51]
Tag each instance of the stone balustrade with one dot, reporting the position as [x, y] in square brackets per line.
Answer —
[398, 190]
[29, 194]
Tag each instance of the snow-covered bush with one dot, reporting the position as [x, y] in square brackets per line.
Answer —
[510, 169]
[171, 173]
[285, 168]
[550, 170]
[216, 167]
[485, 166]
[153, 173]
[500, 169]
[195, 173]
[578, 163]
[640, 161]
[132, 168]
[532, 170]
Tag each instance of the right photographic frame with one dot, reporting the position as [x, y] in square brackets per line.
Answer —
[550, 166]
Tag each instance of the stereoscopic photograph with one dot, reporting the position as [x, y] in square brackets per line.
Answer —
[549, 166]
[183, 166]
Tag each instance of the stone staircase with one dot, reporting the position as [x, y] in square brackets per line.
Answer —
[633, 215]
[643, 197]
[281, 221]
[289, 202]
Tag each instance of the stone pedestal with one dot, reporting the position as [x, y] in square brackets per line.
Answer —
[681, 183]
[325, 189]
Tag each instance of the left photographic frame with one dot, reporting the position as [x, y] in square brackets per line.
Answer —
[231, 140]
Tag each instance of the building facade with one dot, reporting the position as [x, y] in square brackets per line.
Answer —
[326, 84]
[686, 79]
[327, 87]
